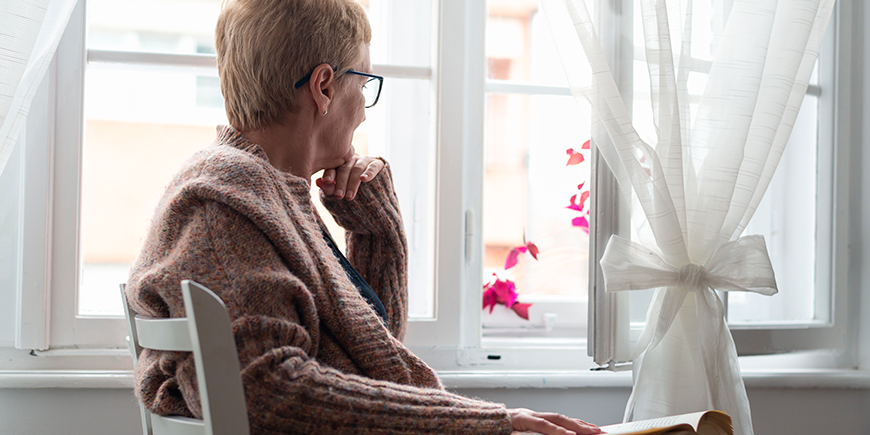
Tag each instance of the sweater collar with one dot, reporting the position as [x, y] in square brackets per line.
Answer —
[229, 136]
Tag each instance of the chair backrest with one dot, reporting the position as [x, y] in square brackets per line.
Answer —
[207, 332]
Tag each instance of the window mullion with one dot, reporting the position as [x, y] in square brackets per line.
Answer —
[35, 220]
[206, 63]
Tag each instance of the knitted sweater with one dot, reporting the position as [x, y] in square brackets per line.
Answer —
[315, 357]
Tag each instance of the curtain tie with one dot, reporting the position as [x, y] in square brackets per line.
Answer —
[692, 276]
[738, 265]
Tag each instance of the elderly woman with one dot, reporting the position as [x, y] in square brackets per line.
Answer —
[318, 335]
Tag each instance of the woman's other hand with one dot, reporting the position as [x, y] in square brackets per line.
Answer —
[344, 181]
[548, 423]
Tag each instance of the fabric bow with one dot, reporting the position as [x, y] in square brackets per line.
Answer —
[739, 265]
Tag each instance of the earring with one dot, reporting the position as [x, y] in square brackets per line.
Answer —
[324, 112]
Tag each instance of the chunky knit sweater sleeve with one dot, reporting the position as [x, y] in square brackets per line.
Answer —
[376, 244]
[315, 358]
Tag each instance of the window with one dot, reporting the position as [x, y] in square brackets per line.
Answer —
[531, 121]
[472, 118]
[143, 95]
[795, 216]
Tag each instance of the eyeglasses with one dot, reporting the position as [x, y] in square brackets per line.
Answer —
[371, 88]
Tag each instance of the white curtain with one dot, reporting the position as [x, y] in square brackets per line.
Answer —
[31, 30]
[698, 183]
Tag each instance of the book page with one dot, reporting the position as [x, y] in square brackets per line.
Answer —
[634, 426]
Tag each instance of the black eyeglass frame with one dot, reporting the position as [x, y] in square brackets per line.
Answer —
[372, 77]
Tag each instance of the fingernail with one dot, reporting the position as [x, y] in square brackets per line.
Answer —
[349, 195]
[339, 193]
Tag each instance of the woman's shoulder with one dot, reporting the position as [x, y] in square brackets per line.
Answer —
[222, 174]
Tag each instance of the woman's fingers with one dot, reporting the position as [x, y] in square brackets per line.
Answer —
[344, 181]
[372, 170]
[549, 423]
[328, 175]
[580, 427]
[342, 174]
[327, 187]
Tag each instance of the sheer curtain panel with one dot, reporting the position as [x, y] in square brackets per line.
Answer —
[697, 183]
[31, 30]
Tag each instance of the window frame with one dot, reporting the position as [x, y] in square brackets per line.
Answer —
[614, 336]
[451, 340]
[45, 321]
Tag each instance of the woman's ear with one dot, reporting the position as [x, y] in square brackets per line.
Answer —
[322, 86]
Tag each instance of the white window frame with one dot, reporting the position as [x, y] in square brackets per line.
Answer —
[47, 307]
[450, 341]
[612, 336]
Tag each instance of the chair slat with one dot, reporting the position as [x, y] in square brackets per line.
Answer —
[177, 425]
[164, 334]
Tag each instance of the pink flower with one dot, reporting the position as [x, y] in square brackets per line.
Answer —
[513, 255]
[575, 159]
[504, 292]
[581, 222]
[522, 310]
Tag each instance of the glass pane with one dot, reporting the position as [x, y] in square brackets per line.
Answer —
[527, 188]
[187, 26]
[786, 218]
[140, 126]
[519, 46]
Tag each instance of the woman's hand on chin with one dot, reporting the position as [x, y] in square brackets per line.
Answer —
[344, 181]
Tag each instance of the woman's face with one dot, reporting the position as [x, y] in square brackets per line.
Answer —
[346, 112]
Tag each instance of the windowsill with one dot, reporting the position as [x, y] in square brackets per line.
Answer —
[790, 378]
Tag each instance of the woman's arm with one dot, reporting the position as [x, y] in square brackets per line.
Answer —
[376, 244]
[288, 389]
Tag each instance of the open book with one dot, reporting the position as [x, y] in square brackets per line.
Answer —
[701, 423]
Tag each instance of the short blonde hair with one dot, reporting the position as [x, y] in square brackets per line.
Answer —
[265, 46]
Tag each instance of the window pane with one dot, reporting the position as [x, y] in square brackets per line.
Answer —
[786, 218]
[141, 125]
[187, 26]
[527, 188]
[519, 46]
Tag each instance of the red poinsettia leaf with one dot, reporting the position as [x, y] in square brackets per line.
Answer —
[512, 292]
[511, 259]
[533, 249]
[586, 144]
[648, 174]
[501, 292]
[489, 300]
[521, 309]
[581, 222]
[583, 197]
[574, 205]
[580, 186]
[575, 159]
[570, 151]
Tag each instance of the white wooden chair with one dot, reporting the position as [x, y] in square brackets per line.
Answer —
[208, 334]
